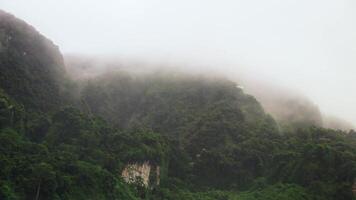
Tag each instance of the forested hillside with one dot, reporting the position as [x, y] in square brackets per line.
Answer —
[63, 138]
[32, 68]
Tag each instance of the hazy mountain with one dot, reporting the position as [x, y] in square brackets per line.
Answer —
[116, 133]
[32, 68]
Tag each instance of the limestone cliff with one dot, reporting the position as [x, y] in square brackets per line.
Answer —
[143, 173]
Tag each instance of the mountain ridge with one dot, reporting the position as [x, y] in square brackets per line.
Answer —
[72, 139]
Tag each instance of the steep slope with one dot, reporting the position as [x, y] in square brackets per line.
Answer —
[291, 109]
[203, 117]
[220, 137]
[162, 101]
[203, 136]
[31, 66]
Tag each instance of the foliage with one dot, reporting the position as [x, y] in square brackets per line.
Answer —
[210, 139]
[273, 192]
[31, 66]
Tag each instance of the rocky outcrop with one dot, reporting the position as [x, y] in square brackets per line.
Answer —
[146, 174]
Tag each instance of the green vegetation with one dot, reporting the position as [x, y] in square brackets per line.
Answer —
[211, 140]
[31, 66]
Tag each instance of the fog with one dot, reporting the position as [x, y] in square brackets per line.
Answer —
[306, 47]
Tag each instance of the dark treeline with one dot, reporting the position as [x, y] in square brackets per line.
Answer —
[70, 139]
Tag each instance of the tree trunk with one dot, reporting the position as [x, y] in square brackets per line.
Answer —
[38, 191]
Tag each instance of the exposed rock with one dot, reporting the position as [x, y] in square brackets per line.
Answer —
[143, 173]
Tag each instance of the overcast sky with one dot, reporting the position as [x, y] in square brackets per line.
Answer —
[308, 45]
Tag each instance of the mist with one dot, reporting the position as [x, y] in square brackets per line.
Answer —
[295, 49]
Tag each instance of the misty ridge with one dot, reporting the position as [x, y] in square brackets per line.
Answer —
[97, 127]
[289, 107]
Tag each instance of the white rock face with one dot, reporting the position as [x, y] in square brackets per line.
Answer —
[144, 172]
